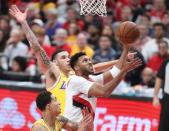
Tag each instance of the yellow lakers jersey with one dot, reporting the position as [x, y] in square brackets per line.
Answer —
[58, 124]
[59, 90]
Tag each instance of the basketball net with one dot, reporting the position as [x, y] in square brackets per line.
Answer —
[93, 7]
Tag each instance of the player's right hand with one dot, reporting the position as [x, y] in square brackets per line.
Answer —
[156, 101]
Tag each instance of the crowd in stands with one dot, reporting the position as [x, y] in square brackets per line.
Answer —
[58, 24]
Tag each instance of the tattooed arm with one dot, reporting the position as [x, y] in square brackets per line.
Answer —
[67, 124]
[43, 61]
[84, 125]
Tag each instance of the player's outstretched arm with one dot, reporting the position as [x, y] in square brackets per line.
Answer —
[105, 90]
[43, 60]
[104, 66]
[108, 75]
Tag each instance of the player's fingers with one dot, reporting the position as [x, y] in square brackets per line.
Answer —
[83, 112]
[136, 62]
[11, 12]
[16, 8]
[12, 8]
[26, 11]
[135, 65]
[87, 111]
[87, 117]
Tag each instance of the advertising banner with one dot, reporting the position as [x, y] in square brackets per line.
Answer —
[18, 112]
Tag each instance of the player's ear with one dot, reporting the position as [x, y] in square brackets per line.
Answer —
[76, 67]
[56, 62]
[48, 107]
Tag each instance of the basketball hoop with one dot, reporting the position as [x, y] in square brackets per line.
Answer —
[93, 7]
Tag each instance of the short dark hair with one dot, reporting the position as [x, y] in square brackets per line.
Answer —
[21, 61]
[75, 58]
[54, 55]
[43, 99]
[159, 24]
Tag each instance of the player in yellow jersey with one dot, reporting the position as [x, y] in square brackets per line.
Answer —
[56, 71]
[51, 119]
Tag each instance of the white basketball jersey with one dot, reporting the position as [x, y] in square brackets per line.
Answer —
[77, 96]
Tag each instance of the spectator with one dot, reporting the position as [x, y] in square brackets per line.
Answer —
[145, 20]
[105, 52]
[4, 26]
[137, 9]
[165, 21]
[147, 77]
[93, 32]
[14, 47]
[38, 23]
[143, 38]
[19, 64]
[157, 59]
[52, 23]
[158, 10]
[40, 34]
[108, 20]
[60, 40]
[90, 19]
[34, 11]
[152, 46]
[73, 30]
[147, 80]
[107, 30]
[126, 14]
[82, 46]
[72, 16]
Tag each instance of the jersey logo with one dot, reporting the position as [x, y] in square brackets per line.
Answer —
[63, 86]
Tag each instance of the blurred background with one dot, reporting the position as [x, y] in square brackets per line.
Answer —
[58, 25]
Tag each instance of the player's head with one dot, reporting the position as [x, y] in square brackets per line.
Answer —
[46, 101]
[61, 59]
[82, 64]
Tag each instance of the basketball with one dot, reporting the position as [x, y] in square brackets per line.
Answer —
[128, 32]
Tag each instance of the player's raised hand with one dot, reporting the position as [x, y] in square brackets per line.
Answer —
[17, 14]
[132, 64]
[87, 121]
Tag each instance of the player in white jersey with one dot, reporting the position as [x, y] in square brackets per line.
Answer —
[83, 88]
[78, 88]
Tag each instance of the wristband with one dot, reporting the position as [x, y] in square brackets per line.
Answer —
[115, 71]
